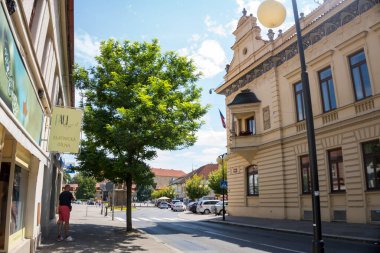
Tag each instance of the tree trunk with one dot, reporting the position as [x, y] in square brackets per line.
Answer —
[128, 210]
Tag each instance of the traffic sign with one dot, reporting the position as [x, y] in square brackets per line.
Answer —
[223, 184]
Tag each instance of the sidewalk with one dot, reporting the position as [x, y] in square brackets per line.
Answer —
[96, 233]
[369, 233]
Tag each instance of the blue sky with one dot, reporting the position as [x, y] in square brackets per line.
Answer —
[200, 29]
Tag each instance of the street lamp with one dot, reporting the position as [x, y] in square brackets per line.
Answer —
[272, 9]
[223, 185]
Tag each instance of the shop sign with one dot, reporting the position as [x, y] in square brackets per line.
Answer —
[65, 130]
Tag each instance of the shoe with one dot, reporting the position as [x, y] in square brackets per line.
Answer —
[69, 239]
[60, 238]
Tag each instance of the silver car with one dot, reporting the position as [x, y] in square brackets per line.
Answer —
[218, 207]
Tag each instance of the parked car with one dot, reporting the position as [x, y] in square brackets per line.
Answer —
[178, 206]
[218, 207]
[192, 206]
[173, 202]
[204, 206]
[90, 202]
[163, 205]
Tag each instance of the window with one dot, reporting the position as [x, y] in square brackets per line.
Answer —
[306, 176]
[360, 76]
[20, 184]
[300, 105]
[327, 90]
[251, 126]
[371, 156]
[5, 170]
[252, 180]
[336, 170]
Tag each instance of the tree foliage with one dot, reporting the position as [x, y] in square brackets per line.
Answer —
[144, 192]
[67, 177]
[215, 177]
[164, 192]
[137, 100]
[86, 187]
[196, 187]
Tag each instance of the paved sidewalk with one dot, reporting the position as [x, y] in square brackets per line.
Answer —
[369, 233]
[96, 233]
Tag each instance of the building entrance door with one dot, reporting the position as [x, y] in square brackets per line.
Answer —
[5, 169]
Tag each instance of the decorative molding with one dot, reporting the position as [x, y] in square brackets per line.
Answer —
[321, 57]
[330, 117]
[375, 27]
[363, 106]
[339, 19]
[301, 126]
[351, 40]
[266, 118]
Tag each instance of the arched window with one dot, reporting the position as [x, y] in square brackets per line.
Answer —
[252, 180]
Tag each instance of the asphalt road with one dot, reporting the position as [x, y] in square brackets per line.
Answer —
[188, 232]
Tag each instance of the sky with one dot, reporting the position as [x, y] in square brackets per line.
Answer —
[199, 29]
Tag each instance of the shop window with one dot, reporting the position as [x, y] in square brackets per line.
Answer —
[300, 104]
[306, 176]
[371, 156]
[252, 180]
[327, 89]
[20, 185]
[336, 170]
[360, 75]
[5, 169]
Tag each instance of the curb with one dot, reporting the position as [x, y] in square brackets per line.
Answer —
[341, 237]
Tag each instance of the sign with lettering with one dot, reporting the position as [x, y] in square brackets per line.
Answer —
[65, 130]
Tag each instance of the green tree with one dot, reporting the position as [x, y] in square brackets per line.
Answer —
[137, 100]
[214, 179]
[168, 192]
[144, 192]
[67, 177]
[86, 188]
[196, 187]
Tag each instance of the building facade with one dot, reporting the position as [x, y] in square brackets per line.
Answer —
[180, 183]
[268, 166]
[163, 177]
[36, 54]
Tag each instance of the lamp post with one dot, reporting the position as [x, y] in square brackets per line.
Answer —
[271, 14]
[220, 161]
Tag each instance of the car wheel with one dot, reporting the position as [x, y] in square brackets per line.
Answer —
[206, 211]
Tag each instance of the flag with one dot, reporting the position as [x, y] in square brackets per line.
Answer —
[222, 119]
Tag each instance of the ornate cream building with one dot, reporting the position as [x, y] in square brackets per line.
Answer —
[268, 166]
[36, 55]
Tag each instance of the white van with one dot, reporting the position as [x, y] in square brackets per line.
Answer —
[204, 206]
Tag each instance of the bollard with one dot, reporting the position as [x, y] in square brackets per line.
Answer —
[105, 214]
[86, 210]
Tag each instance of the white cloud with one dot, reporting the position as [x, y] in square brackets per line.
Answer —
[209, 57]
[86, 47]
[214, 27]
[195, 37]
[210, 144]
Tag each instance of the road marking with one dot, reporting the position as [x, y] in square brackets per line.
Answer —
[145, 219]
[155, 219]
[280, 248]
[263, 244]
[120, 219]
[213, 233]
[134, 219]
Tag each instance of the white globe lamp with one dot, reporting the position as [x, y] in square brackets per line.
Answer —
[271, 13]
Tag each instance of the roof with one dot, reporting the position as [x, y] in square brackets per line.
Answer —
[204, 171]
[167, 173]
[245, 97]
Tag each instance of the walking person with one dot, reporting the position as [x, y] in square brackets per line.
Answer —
[64, 209]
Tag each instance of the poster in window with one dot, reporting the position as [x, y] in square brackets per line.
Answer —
[16, 89]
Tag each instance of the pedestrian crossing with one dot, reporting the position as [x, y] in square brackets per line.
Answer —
[153, 219]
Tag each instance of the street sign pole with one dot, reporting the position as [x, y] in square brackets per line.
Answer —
[113, 202]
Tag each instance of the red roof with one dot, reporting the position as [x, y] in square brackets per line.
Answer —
[167, 173]
[203, 171]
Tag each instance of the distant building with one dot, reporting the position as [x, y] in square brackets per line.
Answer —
[163, 177]
[203, 171]
[268, 166]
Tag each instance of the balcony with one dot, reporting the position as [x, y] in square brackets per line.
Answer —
[246, 141]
